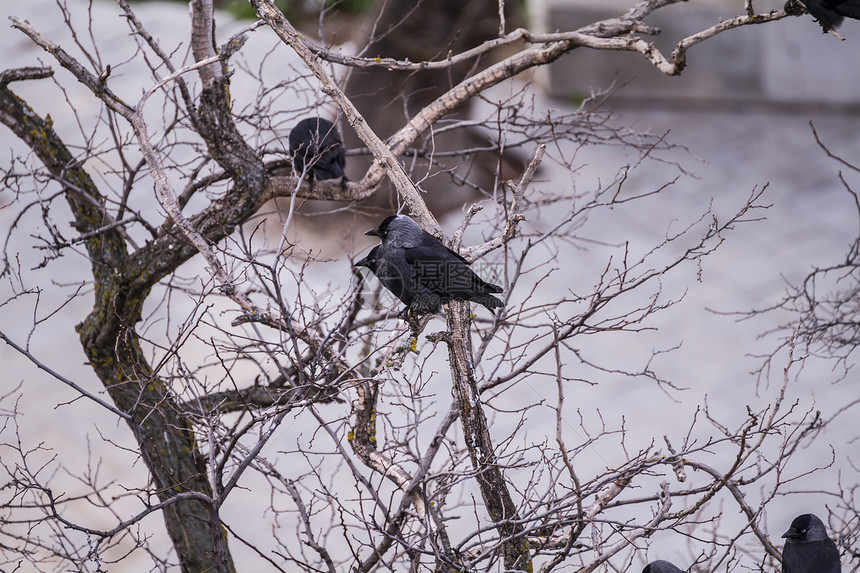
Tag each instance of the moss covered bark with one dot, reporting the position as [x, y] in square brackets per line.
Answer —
[166, 440]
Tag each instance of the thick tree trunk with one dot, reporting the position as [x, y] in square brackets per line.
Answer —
[166, 440]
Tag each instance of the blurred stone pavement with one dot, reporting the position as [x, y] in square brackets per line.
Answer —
[747, 132]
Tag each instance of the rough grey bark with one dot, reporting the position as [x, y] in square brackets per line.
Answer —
[476, 432]
[166, 438]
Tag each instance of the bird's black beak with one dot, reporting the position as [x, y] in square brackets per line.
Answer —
[374, 232]
[789, 533]
[365, 262]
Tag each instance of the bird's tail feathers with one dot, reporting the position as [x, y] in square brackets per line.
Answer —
[491, 303]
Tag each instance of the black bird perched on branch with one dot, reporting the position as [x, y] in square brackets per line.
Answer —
[828, 13]
[388, 275]
[808, 549]
[316, 144]
[661, 566]
[422, 272]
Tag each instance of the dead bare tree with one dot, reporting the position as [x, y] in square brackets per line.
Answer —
[254, 392]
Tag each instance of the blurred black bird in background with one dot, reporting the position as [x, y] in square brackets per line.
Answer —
[828, 13]
[661, 566]
[316, 144]
[808, 549]
[422, 272]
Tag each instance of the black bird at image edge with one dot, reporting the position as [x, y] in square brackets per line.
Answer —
[661, 566]
[829, 13]
[419, 270]
[808, 549]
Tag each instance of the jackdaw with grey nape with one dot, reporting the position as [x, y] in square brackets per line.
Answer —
[808, 549]
[422, 272]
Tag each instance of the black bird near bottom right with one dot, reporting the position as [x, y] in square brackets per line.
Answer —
[808, 549]
[829, 13]
[661, 566]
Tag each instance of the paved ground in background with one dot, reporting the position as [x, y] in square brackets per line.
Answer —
[811, 223]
